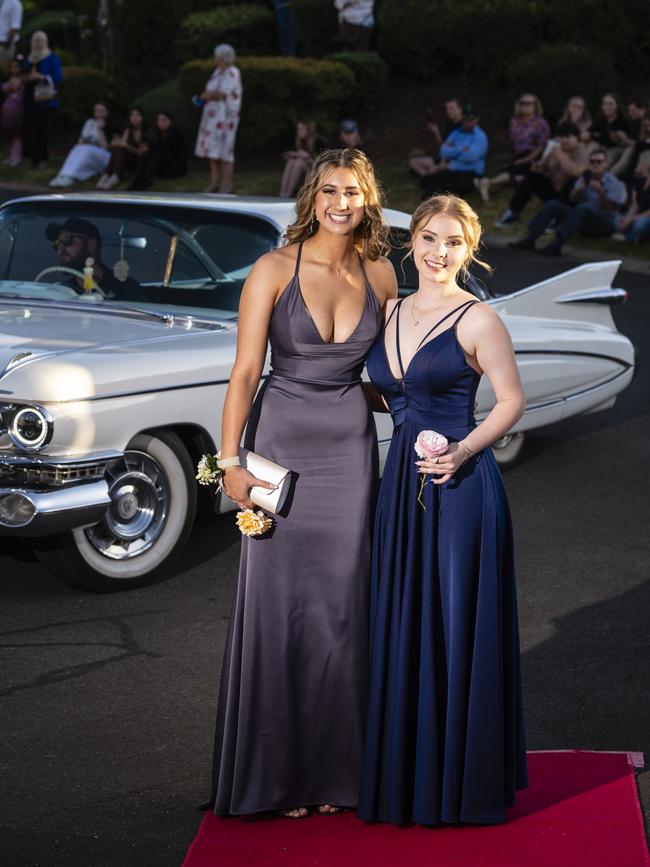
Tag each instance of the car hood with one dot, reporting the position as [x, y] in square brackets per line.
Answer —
[51, 353]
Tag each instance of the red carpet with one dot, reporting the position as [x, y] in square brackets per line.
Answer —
[581, 810]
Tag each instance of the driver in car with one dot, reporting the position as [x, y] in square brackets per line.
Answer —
[75, 241]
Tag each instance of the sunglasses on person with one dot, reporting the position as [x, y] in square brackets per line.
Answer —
[67, 239]
[526, 102]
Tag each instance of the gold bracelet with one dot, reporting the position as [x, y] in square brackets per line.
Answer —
[470, 453]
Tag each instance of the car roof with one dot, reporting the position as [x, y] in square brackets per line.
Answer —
[280, 210]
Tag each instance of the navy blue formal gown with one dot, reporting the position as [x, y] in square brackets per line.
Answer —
[445, 731]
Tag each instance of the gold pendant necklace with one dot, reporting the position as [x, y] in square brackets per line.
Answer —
[341, 269]
[416, 322]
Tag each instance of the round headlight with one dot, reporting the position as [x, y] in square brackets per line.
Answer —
[30, 428]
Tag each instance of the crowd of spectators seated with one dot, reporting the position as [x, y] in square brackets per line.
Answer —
[591, 175]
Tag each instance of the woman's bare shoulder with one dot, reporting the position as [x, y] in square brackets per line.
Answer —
[382, 276]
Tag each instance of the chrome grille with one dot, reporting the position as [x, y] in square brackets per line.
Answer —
[51, 475]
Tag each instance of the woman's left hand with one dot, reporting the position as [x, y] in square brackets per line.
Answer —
[444, 465]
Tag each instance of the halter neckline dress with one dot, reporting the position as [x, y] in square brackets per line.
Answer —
[445, 734]
[293, 689]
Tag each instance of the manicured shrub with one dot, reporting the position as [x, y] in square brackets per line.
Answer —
[167, 97]
[474, 36]
[316, 26]
[62, 28]
[371, 79]
[619, 27]
[145, 32]
[556, 72]
[250, 29]
[277, 92]
[81, 88]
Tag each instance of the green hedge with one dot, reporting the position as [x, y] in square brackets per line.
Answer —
[81, 88]
[62, 28]
[568, 70]
[278, 91]
[485, 37]
[475, 36]
[316, 26]
[619, 27]
[168, 98]
[371, 80]
[250, 29]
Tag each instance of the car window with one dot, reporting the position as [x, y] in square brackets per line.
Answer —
[153, 255]
[407, 273]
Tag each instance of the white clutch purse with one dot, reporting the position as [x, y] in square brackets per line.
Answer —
[262, 468]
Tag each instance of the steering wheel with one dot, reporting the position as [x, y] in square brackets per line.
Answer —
[54, 268]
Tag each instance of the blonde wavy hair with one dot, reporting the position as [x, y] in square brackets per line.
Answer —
[451, 206]
[371, 235]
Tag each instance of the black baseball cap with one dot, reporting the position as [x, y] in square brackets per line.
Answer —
[74, 225]
[469, 112]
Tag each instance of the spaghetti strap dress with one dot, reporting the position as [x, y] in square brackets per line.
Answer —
[445, 733]
[293, 690]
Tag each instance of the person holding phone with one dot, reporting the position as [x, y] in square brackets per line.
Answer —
[596, 197]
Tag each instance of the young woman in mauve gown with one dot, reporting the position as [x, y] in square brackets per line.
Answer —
[293, 692]
[445, 734]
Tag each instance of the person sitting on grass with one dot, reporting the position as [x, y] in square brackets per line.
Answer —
[596, 196]
[551, 177]
[637, 112]
[576, 111]
[463, 159]
[298, 161]
[90, 155]
[634, 225]
[611, 131]
[529, 133]
[126, 149]
[420, 163]
[165, 156]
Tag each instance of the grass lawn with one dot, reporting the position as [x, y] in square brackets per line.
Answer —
[260, 175]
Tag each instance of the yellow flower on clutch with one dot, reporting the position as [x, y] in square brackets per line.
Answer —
[252, 523]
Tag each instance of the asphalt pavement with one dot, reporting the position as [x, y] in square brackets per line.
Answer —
[107, 703]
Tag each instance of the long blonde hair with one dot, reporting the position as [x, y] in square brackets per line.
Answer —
[452, 206]
[371, 235]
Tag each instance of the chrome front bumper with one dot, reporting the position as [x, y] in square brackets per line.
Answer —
[57, 511]
[41, 496]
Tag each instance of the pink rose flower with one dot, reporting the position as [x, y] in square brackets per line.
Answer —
[430, 444]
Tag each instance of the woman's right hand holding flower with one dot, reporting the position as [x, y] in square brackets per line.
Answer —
[237, 483]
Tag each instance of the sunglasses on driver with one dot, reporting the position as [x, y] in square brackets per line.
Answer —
[67, 239]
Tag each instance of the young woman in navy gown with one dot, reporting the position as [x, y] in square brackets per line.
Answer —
[445, 732]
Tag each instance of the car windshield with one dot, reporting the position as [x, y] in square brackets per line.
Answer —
[151, 256]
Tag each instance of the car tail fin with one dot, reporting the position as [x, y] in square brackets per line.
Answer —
[583, 294]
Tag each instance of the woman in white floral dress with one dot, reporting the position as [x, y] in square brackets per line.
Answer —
[216, 137]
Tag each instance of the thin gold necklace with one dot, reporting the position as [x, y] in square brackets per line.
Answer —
[416, 322]
[343, 266]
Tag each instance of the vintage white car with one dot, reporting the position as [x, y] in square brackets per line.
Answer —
[110, 392]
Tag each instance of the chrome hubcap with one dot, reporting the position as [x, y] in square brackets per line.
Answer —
[139, 504]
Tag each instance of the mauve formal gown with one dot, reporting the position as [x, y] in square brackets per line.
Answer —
[445, 735]
[293, 692]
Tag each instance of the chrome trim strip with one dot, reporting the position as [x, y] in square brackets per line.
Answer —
[575, 352]
[60, 462]
[576, 394]
[595, 296]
